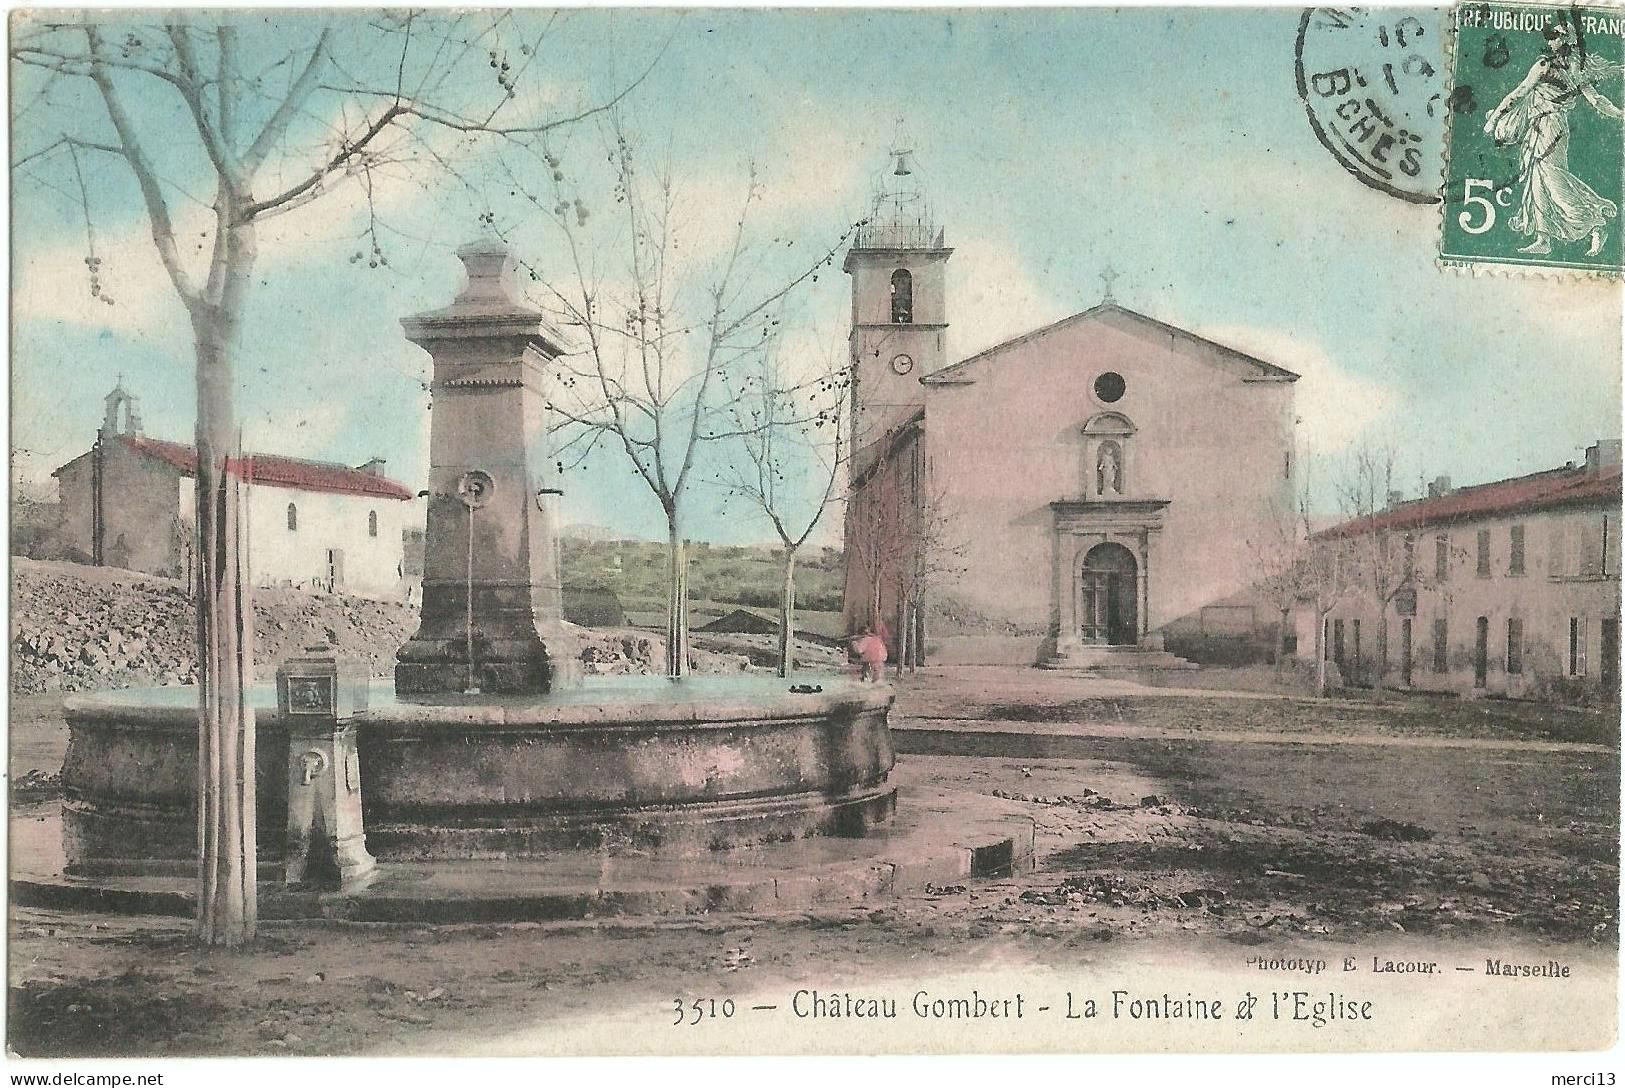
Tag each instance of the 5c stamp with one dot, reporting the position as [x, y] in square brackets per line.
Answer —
[1534, 152]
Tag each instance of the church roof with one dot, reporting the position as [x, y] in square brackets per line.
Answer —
[1557, 487]
[273, 470]
[1106, 310]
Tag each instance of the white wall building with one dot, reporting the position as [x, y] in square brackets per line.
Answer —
[317, 525]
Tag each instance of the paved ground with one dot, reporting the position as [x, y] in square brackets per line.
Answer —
[1195, 829]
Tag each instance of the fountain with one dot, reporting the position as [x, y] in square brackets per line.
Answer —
[491, 758]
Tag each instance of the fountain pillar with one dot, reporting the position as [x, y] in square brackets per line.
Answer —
[493, 614]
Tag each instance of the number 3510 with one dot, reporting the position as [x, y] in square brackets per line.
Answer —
[692, 1012]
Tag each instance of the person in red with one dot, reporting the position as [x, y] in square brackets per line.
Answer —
[870, 650]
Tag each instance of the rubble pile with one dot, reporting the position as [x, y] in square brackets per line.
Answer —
[77, 628]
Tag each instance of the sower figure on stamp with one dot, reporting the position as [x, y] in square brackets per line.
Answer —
[1554, 203]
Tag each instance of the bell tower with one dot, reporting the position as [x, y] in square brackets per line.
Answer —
[898, 265]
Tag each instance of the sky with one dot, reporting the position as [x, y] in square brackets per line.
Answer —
[1167, 145]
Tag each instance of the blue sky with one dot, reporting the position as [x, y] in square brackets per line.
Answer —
[1168, 144]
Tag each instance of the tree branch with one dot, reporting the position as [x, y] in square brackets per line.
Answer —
[163, 227]
[301, 90]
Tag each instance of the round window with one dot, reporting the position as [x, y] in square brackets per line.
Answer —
[1109, 387]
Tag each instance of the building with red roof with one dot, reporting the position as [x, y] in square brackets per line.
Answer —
[1510, 587]
[128, 502]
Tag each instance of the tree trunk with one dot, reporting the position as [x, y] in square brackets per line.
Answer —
[1280, 644]
[676, 602]
[1382, 646]
[1320, 653]
[787, 614]
[227, 847]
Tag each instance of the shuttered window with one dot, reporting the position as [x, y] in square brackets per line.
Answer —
[1591, 549]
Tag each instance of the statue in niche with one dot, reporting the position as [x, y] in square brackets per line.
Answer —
[1109, 469]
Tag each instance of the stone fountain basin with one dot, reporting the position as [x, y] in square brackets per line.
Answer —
[624, 764]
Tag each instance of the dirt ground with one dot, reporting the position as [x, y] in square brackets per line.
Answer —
[1160, 826]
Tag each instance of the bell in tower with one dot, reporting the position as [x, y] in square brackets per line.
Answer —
[898, 264]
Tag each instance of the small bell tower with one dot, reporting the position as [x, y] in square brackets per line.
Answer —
[898, 264]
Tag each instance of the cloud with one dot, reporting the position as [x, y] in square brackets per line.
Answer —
[994, 293]
[307, 428]
[1336, 406]
[53, 287]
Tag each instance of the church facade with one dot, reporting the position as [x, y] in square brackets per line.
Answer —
[1086, 494]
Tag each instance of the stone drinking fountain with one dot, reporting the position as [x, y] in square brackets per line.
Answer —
[491, 771]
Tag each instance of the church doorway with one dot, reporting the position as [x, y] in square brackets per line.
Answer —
[1108, 613]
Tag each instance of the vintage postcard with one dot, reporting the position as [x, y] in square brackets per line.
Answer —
[788, 532]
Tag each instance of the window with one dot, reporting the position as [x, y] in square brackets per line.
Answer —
[1441, 644]
[1591, 549]
[372, 523]
[1356, 647]
[293, 518]
[1604, 559]
[1515, 558]
[1557, 560]
[1514, 646]
[1481, 653]
[1577, 646]
[1410, 556]
[1110, 387]
[1441, 558]
[1483, 553]
[902, 297]
[1337, 641]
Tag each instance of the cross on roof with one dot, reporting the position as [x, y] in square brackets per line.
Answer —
[1108, 276]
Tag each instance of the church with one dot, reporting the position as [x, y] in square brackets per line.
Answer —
[1084, 495]
[312, 525]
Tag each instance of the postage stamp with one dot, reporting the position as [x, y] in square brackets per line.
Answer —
[1533, 174]
[1371, 83]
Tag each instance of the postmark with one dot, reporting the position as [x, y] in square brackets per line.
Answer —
[1533, 157]
[1371, 81]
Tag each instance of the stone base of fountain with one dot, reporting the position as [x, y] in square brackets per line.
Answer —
[939, 837]
[642, 765]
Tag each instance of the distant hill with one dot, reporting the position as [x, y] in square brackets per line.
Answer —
[634, 571]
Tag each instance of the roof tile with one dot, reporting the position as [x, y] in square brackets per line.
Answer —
[276, 471]
[1538, 491]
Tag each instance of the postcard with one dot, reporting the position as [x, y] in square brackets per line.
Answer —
[814, 532]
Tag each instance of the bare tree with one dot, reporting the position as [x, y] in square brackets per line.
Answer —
[877, 514]
[1280, 553]
[791, 434]
[648, 379]
[275, 115]
[1328, 580]
[935, 557]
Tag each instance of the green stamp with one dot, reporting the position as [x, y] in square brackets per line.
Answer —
[1535, 150]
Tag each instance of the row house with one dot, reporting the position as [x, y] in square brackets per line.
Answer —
[1506, 588]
